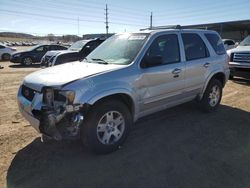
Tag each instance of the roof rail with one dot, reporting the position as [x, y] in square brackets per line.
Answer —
[163, 27]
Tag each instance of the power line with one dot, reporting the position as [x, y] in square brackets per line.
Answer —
[106, 22]
[64, 18]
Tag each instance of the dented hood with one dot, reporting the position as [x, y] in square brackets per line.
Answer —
[62, 74]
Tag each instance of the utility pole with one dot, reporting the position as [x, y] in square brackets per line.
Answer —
[78, 26]
[106, 22]
[151, 21]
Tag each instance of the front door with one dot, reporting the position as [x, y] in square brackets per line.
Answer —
[162, 74]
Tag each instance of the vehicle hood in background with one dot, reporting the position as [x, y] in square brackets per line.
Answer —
[54, 52]
[62, 74]
[240, 49]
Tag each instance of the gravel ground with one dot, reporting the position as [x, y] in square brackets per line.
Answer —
[175, 148]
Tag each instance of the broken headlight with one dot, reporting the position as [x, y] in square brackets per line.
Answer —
[48, 96]
[66, 96]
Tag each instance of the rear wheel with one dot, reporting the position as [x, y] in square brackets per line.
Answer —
[6, 57]
[27, 61]
[106, 126]
[212, 96]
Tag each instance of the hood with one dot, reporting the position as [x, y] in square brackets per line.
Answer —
[59, 75]
[55, 52]
[240, 49]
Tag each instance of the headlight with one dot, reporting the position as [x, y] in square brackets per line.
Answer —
[69, 95]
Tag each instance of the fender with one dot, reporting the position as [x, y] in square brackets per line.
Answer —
[106, 93]
[208, 79]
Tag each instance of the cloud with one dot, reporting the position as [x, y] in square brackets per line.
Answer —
[16, 21]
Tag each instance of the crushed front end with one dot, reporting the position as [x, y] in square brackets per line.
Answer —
[51, 111]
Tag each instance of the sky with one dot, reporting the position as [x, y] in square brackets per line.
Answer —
[60, 17]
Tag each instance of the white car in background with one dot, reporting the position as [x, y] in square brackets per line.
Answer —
[5, 52]
[240, 57]
[229, 44]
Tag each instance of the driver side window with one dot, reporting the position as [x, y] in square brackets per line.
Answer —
[164, 50]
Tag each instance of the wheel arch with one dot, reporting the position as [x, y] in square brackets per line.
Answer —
[124, 97]
[6, 53]
[217, 75]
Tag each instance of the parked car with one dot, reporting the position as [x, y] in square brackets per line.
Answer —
[229, 44]
[77, 51]
[5, 52]
[240, 57]
[34, 54]
[127, 77]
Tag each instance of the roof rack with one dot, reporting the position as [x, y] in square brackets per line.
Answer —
[163, 27]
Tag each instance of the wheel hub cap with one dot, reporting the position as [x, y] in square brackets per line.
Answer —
[110, 127]
[214, 96]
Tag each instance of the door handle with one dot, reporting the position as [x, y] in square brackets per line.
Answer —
[206, 65]
[176, 71]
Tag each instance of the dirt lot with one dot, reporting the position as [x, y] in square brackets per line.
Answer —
[179, 147]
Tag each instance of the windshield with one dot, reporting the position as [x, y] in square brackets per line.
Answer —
[77, 46]
[245, 42]
[118, 49]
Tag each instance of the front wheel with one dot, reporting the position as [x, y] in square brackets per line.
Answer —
[106, 126]
[27, 61]
[212, 96]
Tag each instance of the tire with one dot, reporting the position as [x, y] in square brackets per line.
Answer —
[27, 61]
[102, 135]
[6, 57]
[231, 77]
[212, 96]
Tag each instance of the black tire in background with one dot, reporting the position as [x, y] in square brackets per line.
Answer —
[6, 57]
[27, 61]
[89, 129]
[210, 101]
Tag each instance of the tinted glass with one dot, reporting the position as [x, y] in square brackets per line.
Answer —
[92, 45]
[1, 47]
[54, 47]
[167, 47]
[194, 46]
[64, 58]
[40, 49]
[229, 42]
[216, 43]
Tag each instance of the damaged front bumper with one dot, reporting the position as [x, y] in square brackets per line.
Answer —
[58, 124]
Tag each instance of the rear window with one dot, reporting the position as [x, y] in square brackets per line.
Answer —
[216, 43]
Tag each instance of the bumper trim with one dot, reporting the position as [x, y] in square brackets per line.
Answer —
[32, 120]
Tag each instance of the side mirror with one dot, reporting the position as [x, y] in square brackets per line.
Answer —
[151, 61]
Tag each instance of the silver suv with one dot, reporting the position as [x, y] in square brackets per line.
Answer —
[127, 77]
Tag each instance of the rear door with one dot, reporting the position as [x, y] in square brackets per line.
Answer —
[161, 84]
[197, 62]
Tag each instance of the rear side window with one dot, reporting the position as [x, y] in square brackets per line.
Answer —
[1, 47]
[216, 43]
[194, 46]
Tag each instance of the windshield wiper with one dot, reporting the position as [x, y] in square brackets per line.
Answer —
[84, 59]
[101, 61]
